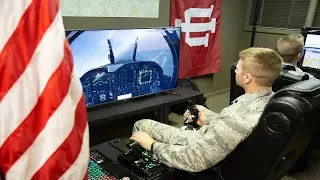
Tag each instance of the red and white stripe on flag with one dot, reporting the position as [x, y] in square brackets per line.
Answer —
[43, 120]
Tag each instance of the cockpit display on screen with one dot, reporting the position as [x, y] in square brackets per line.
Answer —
[120, 64]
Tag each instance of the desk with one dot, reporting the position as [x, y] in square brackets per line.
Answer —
[160, 101]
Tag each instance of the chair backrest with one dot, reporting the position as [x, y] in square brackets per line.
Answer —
[235, 90]
[287, 76]
[286, 129]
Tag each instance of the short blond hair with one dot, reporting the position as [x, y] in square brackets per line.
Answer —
[263, 64]
[289, 46]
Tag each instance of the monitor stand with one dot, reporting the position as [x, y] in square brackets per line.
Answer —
[172, 91]
[124, 101]
[160, 102]
[142, 97]
[148, 96]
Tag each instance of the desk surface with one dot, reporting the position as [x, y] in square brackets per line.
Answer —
[141, 104]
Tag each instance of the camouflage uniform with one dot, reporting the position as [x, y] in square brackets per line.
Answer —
[196, 151]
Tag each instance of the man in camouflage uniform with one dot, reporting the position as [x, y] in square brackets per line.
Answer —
[219, 134]
[290, 48]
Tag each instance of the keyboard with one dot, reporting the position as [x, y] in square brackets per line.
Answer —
[95, 170]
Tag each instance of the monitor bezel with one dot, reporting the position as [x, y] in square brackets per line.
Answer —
[305, 31]
[99, 106]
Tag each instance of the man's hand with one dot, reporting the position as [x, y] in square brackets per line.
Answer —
[201, 120]
[143, 139]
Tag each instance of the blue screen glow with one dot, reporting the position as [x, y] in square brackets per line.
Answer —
[119, 64]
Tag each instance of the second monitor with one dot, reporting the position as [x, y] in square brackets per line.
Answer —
[311, 55]
[119, 64]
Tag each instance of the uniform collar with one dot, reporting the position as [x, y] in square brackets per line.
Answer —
[255, 94]
[288, 64]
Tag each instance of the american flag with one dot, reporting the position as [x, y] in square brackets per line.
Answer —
[43, 120]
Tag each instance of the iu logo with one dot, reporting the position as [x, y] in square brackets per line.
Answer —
[188, 27]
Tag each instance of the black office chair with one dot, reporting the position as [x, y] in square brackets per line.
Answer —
[287, 76]
[286, 130]
[235, 90]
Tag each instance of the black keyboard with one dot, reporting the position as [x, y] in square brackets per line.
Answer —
[103, 168]
[95, 170]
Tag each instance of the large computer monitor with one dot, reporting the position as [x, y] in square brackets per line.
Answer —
[120, 64]
[311, 54]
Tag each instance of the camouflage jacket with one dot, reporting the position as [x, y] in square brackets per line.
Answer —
[202, 149]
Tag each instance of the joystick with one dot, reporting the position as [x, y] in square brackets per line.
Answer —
[195, 116]
[135, 148]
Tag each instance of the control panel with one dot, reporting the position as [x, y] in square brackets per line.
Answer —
[114, 81]
[146, 166]
[103, 168]
[129, 162]
[142, 162]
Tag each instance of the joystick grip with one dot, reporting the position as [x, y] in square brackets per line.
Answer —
[135, 148]
[195, 116]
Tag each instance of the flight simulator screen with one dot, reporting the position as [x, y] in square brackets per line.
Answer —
[312, 51]
[120, 64]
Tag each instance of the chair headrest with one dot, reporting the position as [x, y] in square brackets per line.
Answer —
[293, 75]
[288, 67]
[304, 89]
[234, 65]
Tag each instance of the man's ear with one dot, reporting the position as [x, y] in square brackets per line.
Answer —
[299, 56]
[247, 78]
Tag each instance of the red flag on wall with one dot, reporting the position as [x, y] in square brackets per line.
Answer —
[43, 121]
[200, 35]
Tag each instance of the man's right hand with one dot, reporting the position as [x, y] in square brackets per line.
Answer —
[201, 120]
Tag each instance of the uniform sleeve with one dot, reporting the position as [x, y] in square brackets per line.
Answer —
[194, 157]
[202, 154]
[218, 141]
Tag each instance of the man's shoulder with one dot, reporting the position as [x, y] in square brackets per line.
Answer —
[250, 104]
[255, 97]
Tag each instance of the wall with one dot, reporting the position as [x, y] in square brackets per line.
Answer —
[231, 28]
[72, 23]
[233, 39]
[267, 40]
[233, 12]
